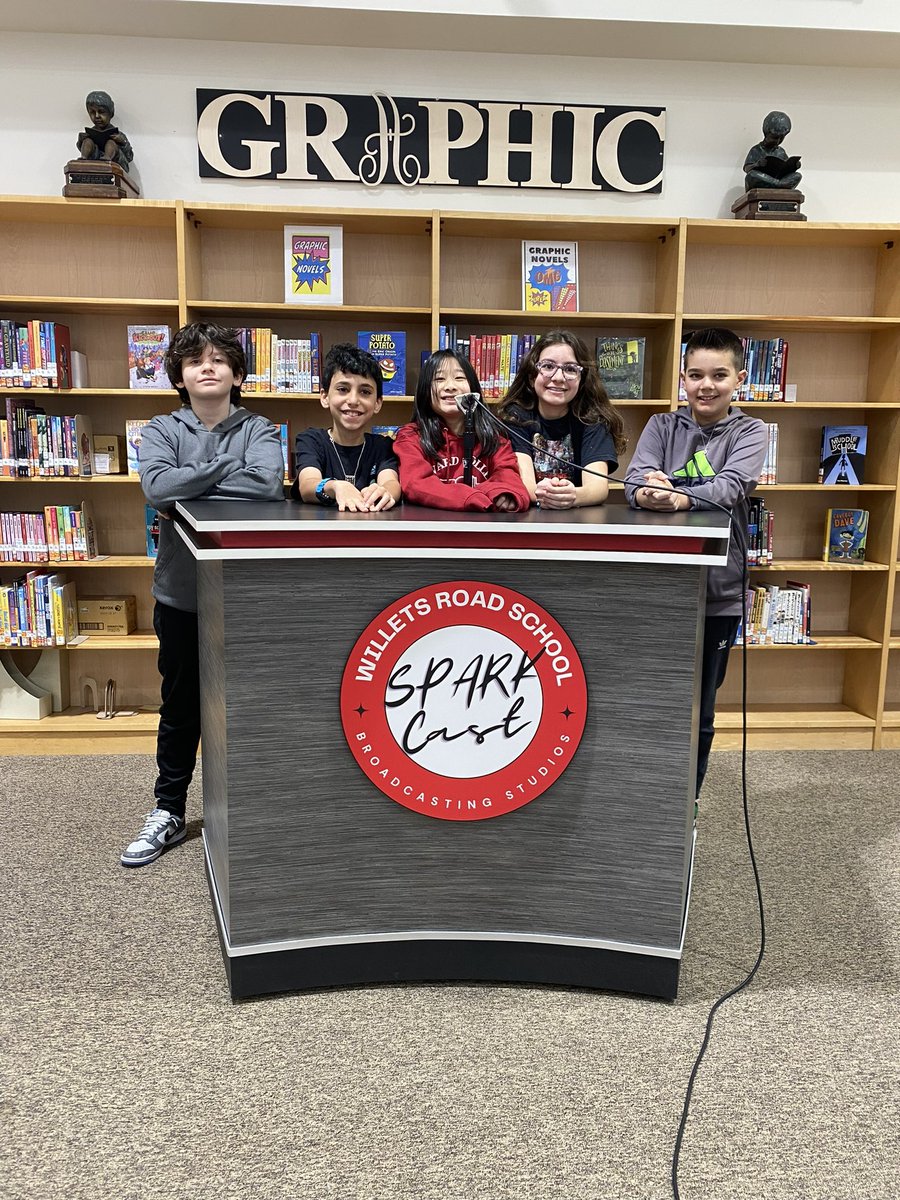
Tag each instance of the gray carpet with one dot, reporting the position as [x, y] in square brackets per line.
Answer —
[129, 1075]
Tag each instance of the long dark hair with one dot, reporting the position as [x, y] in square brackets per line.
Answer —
[431, 427]
[591, 405]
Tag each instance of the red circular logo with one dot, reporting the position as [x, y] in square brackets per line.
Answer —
[463, 700]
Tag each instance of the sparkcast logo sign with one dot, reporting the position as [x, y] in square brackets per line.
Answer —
[463, 701]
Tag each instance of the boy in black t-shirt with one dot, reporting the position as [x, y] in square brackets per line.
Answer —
[344, 465]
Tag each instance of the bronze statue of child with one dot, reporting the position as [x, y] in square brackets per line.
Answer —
[767, 165]
[103, 140]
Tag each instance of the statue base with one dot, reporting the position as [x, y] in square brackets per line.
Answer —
[769, 204]
[98, 179]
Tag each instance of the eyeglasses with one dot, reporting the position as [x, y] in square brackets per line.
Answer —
[570, 370]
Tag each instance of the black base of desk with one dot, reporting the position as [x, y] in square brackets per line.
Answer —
[441, 960]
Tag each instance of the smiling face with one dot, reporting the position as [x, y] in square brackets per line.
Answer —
[710, 380]
[352, 401]
[208, 375]
[450, 381]
[557, 391]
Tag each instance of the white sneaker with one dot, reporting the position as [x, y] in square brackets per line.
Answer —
[161, 830]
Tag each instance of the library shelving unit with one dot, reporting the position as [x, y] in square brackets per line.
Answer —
[832, 289]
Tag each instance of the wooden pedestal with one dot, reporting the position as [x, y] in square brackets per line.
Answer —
[98, 179]
[769, 204]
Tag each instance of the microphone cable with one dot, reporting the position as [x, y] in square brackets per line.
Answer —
[522, 439]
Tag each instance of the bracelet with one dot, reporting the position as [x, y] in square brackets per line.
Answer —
[321, 495]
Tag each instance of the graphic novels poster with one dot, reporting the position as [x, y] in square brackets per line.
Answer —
[843, 456]
[390, 350]
[549, 276]
[313, 264]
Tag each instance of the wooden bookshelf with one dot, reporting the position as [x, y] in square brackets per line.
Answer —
[832, 289]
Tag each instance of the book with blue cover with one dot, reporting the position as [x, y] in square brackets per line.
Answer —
[390, 350]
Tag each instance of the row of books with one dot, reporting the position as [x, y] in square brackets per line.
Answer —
[777, 615]
[497, 357]
[36, 443]
[61, 533]
[38, 610]
[35, 354]
[765, 361]
[760, 542]
[274, 363]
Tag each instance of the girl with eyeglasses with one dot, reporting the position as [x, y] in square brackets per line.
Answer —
[558, 405]
[431, 449]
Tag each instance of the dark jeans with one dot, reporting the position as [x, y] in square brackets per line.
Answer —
[718, 637]
[179, 713]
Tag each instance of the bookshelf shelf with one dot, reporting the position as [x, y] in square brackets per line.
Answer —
[70, 480]
[832, 289]
[141, 639]
[105, 560]
[515, 316]
[310, 314]
[825, 641]
[814, 564]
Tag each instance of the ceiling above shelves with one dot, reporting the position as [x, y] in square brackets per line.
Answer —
[764, 36]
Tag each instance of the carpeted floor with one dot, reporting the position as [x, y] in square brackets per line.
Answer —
[129, 1075]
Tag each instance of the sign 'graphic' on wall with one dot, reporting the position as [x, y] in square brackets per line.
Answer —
[399, 140]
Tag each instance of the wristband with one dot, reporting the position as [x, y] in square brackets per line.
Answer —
[321, 495]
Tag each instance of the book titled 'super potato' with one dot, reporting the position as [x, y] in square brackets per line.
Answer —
[313, 264]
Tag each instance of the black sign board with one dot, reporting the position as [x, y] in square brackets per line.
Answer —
[383, 140]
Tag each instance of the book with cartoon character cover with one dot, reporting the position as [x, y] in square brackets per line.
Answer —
[845, 535]
[390, 350]
[147, 346]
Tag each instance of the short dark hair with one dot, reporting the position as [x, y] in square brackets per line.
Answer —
[193, 339]
[716, 338]
[351, 360]
[101, 100]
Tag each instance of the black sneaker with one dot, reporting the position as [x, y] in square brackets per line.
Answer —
[161, 830]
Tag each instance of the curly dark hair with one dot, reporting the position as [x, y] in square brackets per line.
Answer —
[351, 360]
[193, 339]
[591, 405]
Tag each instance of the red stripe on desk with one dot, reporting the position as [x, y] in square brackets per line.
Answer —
[687, 547]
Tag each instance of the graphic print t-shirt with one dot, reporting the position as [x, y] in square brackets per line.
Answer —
[568, 439]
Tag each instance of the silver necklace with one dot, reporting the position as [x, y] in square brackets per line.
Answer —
[348, 476]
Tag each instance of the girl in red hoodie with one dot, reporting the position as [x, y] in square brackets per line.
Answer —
[430, 447]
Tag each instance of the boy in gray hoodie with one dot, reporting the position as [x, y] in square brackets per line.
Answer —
[715, 453]
[211, 447]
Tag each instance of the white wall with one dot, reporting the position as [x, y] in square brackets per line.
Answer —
[844, 120]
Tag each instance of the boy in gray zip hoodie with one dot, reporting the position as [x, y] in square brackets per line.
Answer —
[211, 447]
[715, 453]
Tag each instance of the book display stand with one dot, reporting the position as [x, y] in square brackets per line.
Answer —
[449, 746]
[769, 204]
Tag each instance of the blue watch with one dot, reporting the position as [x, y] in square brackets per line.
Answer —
[321, 494]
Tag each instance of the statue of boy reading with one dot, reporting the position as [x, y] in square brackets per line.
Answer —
[103, 140]
[767, 164]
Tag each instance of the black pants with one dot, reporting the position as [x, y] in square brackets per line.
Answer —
[179, 713]
[718, 637]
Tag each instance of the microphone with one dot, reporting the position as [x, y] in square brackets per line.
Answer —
[467, 401]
